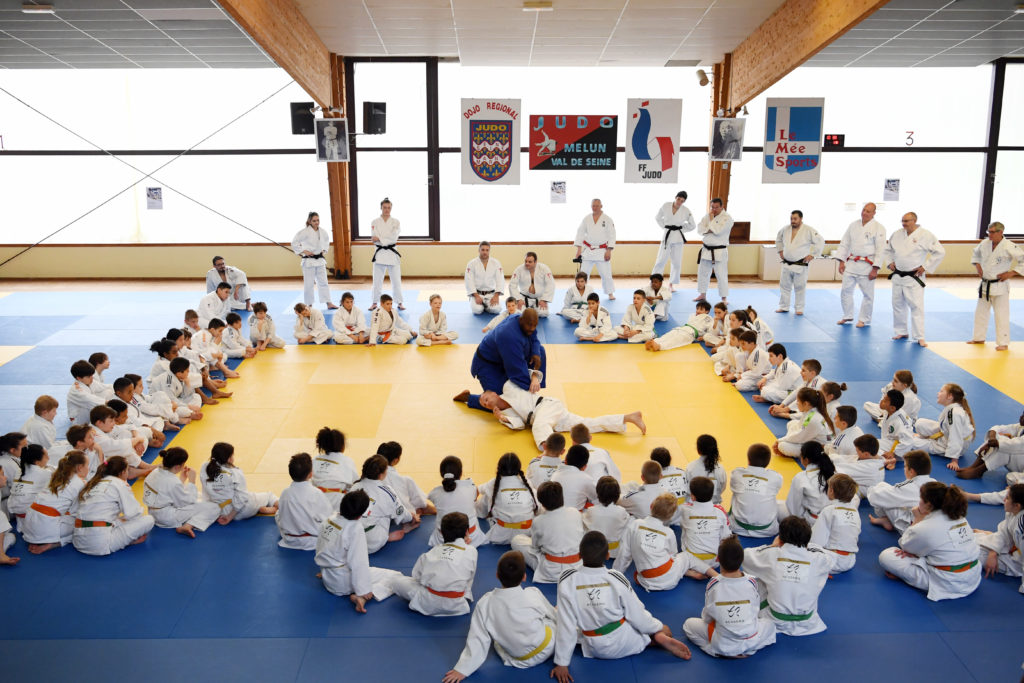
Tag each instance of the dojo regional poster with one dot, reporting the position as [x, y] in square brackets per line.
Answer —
[490, 141]
[573, 141]
[792, 140]
[652, 140]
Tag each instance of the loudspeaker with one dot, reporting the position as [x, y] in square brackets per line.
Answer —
[302, 118]
[374, 118]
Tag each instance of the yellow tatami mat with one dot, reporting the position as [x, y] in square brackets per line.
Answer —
[404, 394]
[9, 353]
[998, 368]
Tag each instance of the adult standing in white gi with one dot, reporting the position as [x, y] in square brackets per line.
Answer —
[797, 245]
[595, 239]
[674, 219]
[221, 272]
[312, 243]
[485, 282]
[911, 252]
[384, 231]
[714, 231]
[993, 258]
[859, 255]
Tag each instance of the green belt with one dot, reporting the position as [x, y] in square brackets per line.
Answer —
[696, 332]
[790, 617]
[750, 527]
[367, 529]
[607, 628]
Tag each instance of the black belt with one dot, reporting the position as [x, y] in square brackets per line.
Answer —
[529, 418]
[482, 292]
[389, 247]
[907, 273]
[795, 263]
[711, 249]
[986, 287]
[313, 256]
[669, 230]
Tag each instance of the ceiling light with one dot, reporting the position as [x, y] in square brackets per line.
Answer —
[702, 77]
[29, 8]
[538, 6]
[745, 112]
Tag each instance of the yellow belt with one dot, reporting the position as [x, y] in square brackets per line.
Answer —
[540, 648]
[702, 556]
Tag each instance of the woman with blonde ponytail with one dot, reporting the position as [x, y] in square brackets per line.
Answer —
[109, 518]
[50, 520]
[951, 435]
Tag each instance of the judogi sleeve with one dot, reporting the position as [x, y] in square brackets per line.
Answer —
[478, 640]
[211, 280]
[635, 612]
[130, 507]
[358, 562]
[936, 252]
[581, 233]
[547, 292]
[567, 623]
[817, 243]
[470, 280]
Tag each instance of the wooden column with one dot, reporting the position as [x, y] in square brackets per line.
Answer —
[718, 171]
[337, 180]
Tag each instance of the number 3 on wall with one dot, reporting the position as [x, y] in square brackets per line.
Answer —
[910, 138]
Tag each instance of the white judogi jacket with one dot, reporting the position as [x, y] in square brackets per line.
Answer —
[334, 474]
[642, 320]
[81, 399]
[263, 329]
[386, 322]
[342, 557]
[682, 218]
[805, 498]
[703, 526]
[866, 473]
[909, 252]
[995, 261]
[897, 433]
[111, 501]
[862, 247]
[556, 533]
[601, 464]
[576, 301]
[911, 402]
[595, 236]
[205, 344]
[430, 325]
[600, 324]
[714, 231]
[314, 326]
[445, 568]
[234, 277]
[385, 507]
[541, 469]
[542, 281]
[233, 343]
[815, 383]
[956, 431]
[519, 621]
[673, 480]
[495, 320]
[696, 469]
[41, 525]
[784, 377]
[754, 509]
[462, 499]
[732, 605]
[484, 280]
[512, 512]
[810, 427]
[896, 501]
[757, 365]
[1010, 453]
[578, 487]
[409, 493]
[1008, 542]
[210, 307]
[302, 510]
[808, 242]
[40, 431]
[25, 488]
[387, 232]
[665, 293]
[841, 448]
[314, 241]
[650, 544]
[610, 520]
[793, 578]
[349, 322]
[638, 501]
[945, 546]
[173, 503]
[838, 528]
[593, 599]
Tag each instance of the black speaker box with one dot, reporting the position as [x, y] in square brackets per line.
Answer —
[302, 118]
[374, 118]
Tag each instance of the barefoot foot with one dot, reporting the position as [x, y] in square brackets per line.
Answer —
[40, 548]
[186, 530]
[462, 396]
[636, 418]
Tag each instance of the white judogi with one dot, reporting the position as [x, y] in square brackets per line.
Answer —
[595, 238]
[896, 501]
[302, 511]
[173, 503]
[177, 391]
[841, 448]
[115, 443]
[462, 499]
[314, 326]
[946, 565]
[230, 493]
[810, 427]
[896, 433]
[754, 511]
[234, 277]
[334, 474]
[696, 468]
[837, 530]
[496, 320]
[642, 320]
[519, 621]
[865, 473]
[610, 520]
[82, 398]
[385, 507]
[765, 335]
[512, 511]
[575, 305]
[695, 326]
[911, 405]
[992, 292]
[950, 436]
[314, 268]
[578, 488]
[138, 420]
[548, 415]
[264, 329]
[673, 480]
[6, 533]
[12, 470]
[409, 493]
[553, 545]
[601, 464]
[441, 584]
[211, 306]
[756, 367]
[806, 497]
[533, 287]
[51, 517]
[347, 323]
[638, 501]
[541, 469]
[650, 544]
[599, 324]
[1009, 453]
[793, 578]
[673, 224]
[389, 328]
[24, 490]
[431, 325]
[659, 306]
[344, 562]
[233, 343]
[703, 526]
[714, 254]
[486, 281]
[907, 253]
[793, 249]
[861, 248]
[1006, 541]
[40, 431]
[783, 379]
[385, 259]
[593, 601]
[729, 624]
[206, 344]
[109, 518]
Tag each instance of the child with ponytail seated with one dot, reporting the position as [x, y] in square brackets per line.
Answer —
[815, 425]
[171, 495]
[49, 522]
[35, 476]
[951, 435]
[109, 518]
[385, 506]
[224, 484]
[455, 494]
[808, 492]
[507, 501]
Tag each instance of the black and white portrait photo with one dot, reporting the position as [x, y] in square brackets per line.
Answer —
[332, 140]
[727, 139]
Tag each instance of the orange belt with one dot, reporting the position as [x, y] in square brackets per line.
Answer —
[839, 552]
[45, 510]
[563, 559]
[85, 524]
[471, 530]
[657, 571]
[446, 594]
[331, 490]
[955, 568]
[515, 525]
[20, 516]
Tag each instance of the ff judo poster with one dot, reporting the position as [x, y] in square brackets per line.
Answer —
[582, 142]
[652, 140]
[792, 140]
[490, 142]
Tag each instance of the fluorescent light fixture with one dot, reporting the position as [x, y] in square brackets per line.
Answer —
[538, 6]
[29, 8]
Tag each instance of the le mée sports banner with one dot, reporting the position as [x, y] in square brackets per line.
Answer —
[792, 140]
[573, 141]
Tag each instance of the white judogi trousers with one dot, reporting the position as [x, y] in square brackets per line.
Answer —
[314, 272]
[1000, 303]
[907, 296]
[674, 255]
[720, 268]
[866, 285]
[793, 279]
[395, 273]
[604, 269]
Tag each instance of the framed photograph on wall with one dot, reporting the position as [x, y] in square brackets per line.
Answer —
[332, 139]
[727, 139]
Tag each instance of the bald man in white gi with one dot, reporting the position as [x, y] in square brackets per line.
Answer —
[595, 239]
[860, 255]
[994, 259]
[911, 253]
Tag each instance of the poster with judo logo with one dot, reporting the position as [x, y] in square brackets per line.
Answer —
[582, 142]
[652, 140]
[490, 141]
[792, 140]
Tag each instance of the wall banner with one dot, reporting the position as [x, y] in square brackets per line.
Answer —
[792, 140]
[490, 141]
[583, 142]
[652, 140]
